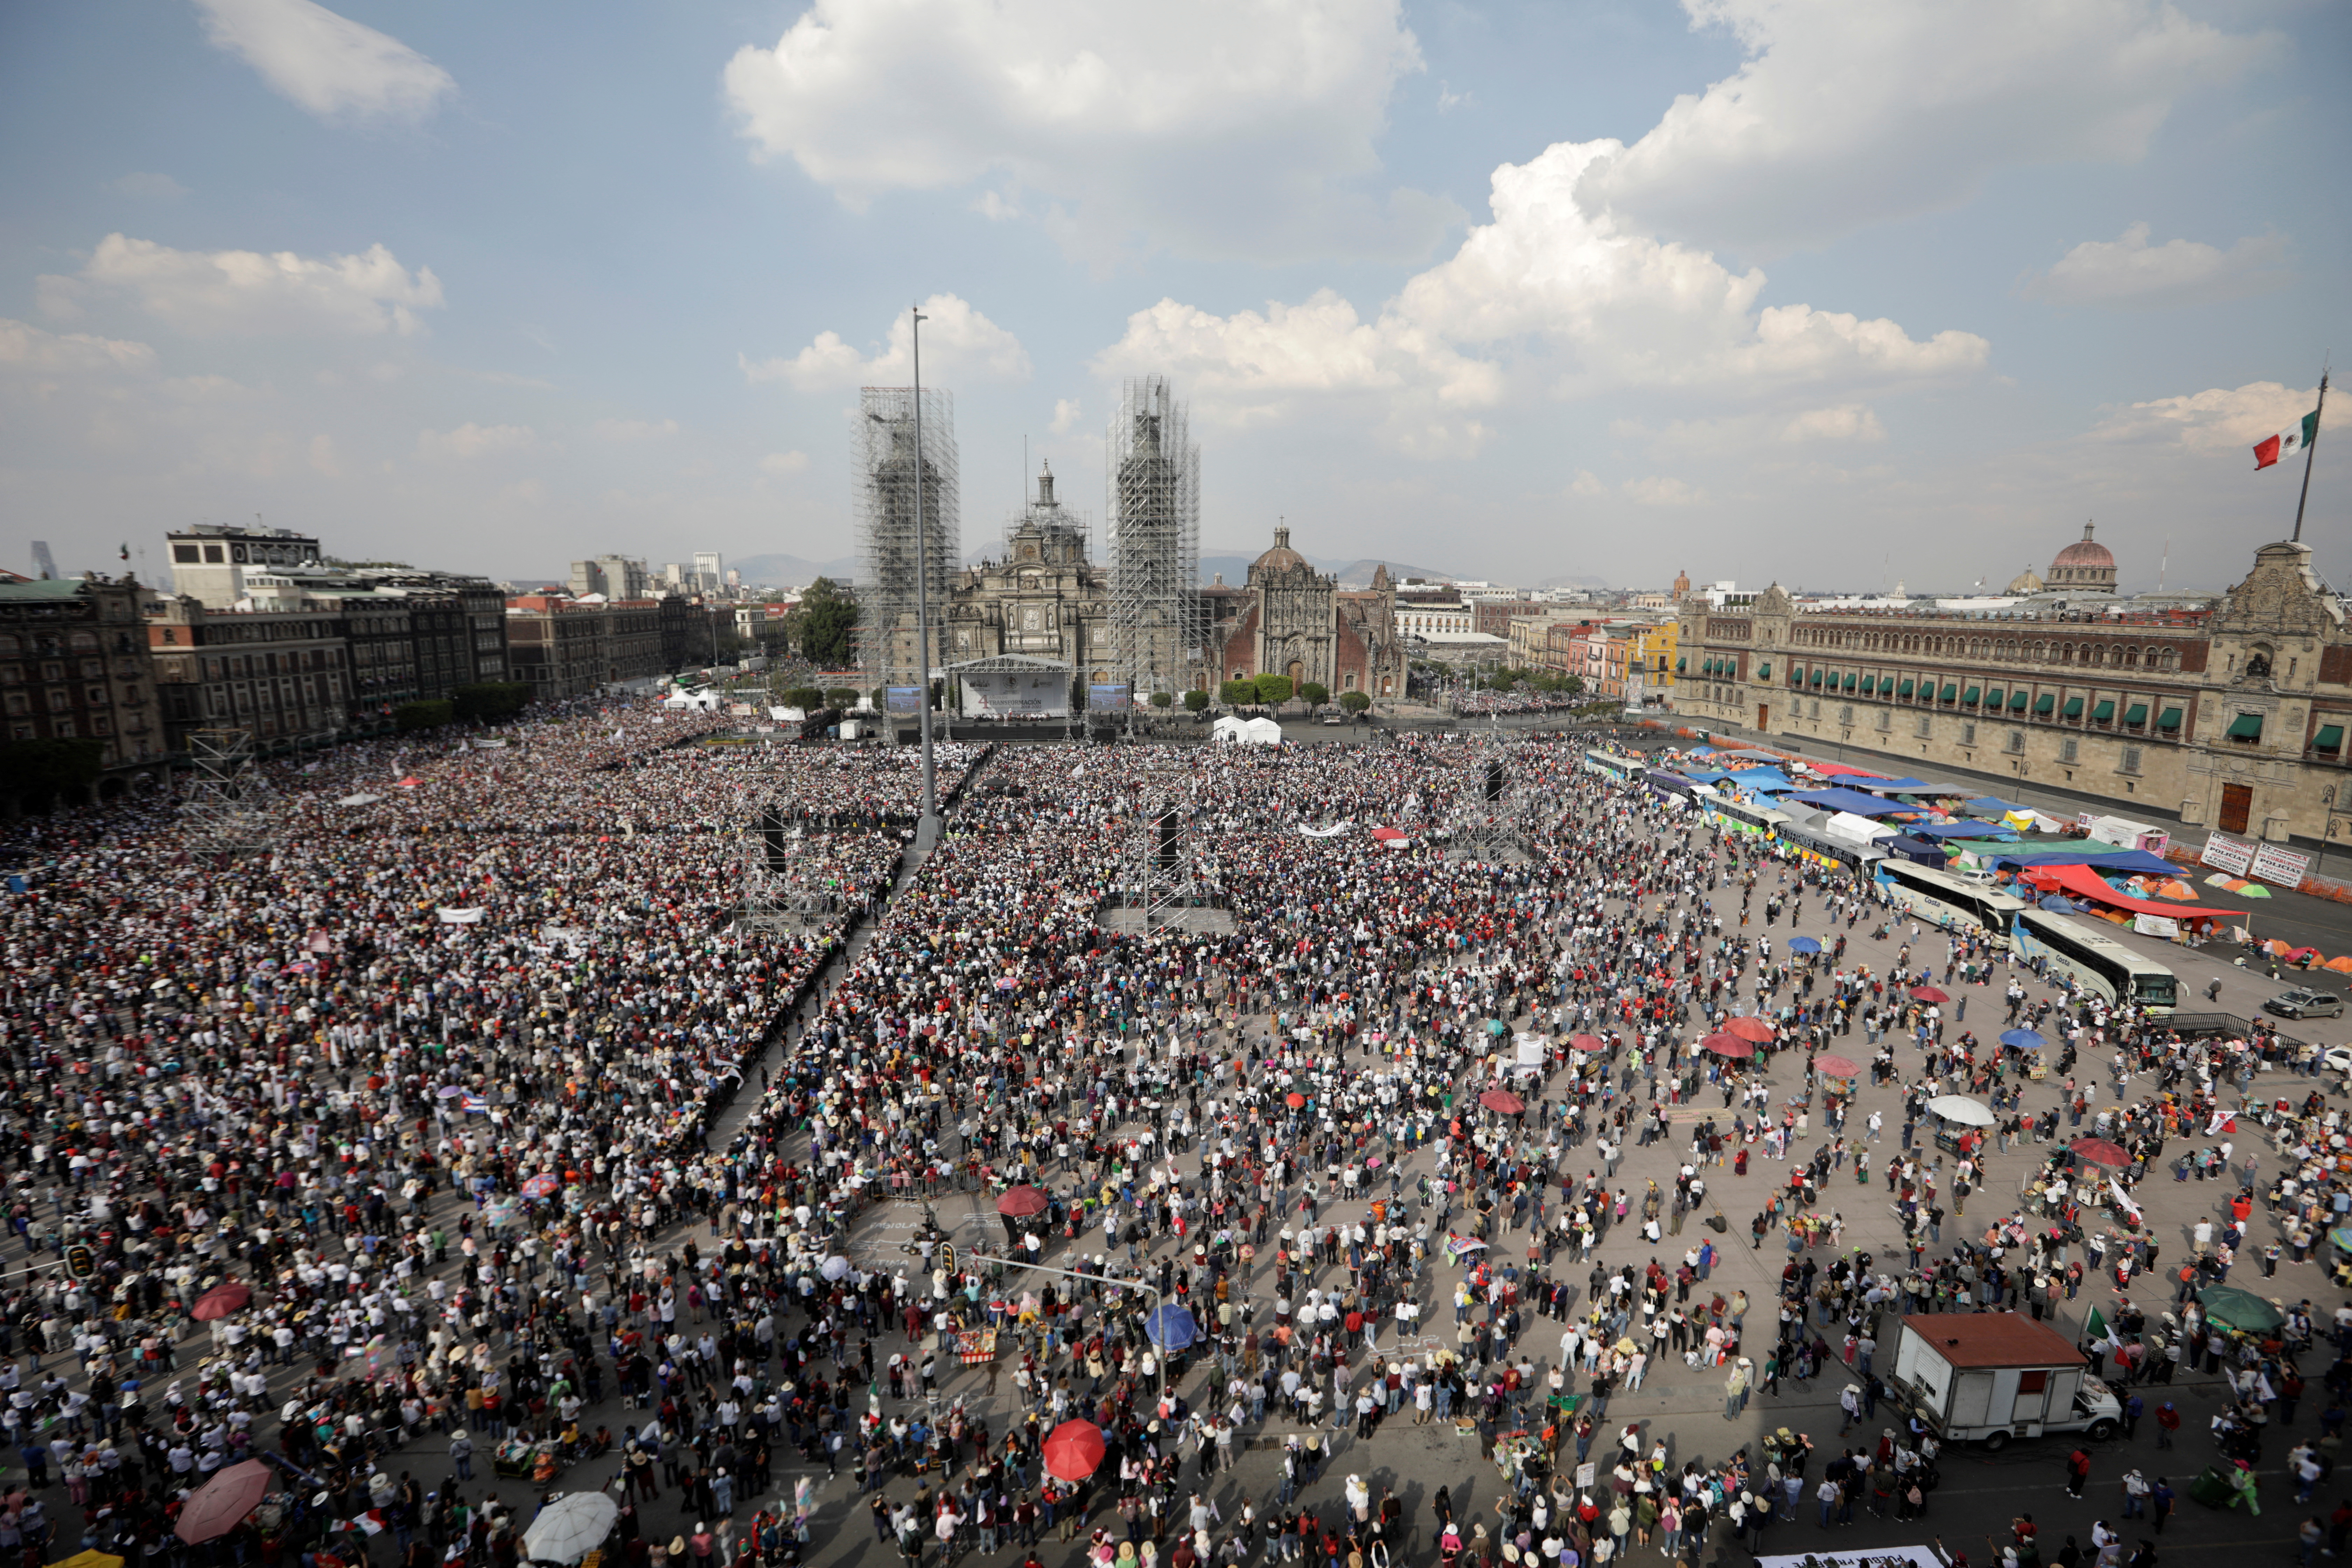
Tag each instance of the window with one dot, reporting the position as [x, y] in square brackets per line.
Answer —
[2016, 741]
[2130, 764]
[2246, 728]
[1967, 734]
[2068, 748]
[1924, 727]
[1815, 710]
[1845, 713]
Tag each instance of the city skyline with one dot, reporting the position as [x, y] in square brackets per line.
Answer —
[1517, 294]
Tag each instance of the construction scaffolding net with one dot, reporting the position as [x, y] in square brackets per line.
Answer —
[228, 808]
[1155, 538]
[892, 463]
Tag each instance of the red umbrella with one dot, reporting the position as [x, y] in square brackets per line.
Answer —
[1073, 1449]
[1928, 995]
[220, 1301]
[1835, 1066]
[547, 1184]
[221, 1504]
[2099, 1152]
[1728, 1045]
[1294, 1099]
[1021, 1202]
[1745, 1028]
[1504, 1101]
[1586, 1043]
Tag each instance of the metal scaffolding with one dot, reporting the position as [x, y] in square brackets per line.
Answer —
[774, 898]
[889, 585]
[229, 808]
[1155, 538]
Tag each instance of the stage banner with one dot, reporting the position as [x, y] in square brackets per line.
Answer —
[903, 702]
[1015, 694]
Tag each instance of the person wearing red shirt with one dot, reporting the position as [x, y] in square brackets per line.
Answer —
[2167, 1422]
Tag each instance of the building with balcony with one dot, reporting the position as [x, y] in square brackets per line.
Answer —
[74, 666]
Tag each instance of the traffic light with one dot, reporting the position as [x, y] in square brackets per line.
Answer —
[80, 1261]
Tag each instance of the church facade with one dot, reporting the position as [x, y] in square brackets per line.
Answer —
[1289, 619]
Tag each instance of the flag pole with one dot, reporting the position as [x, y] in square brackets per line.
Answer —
[2310, 450]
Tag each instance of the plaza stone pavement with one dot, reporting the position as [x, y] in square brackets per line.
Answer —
[1979, 1494]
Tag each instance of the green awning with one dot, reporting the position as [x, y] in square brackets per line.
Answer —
[2330, 738]
[1951, 692]
[2018, 698]
[1796, 675]
[1816, 679]
[2136, 714]
[1969, 696]
[2047, 701]
[1680, 665]
[2103, 712]
[1764, 670]
[1904, 690]
[1869, 684]
[1850, 679]
[2246, 727]
[2074, 709]
[1993, 699]
[2169, 720]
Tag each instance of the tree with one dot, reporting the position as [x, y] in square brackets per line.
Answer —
[1314, 694]
[1161, 700]
[880, 697]
[1238, 693]
[807, 698]
[841, 696]
[1354, 702]
[1273, 689]
[823, 624]
[1572, 685]
[491, 700]
[427, 714]
[1196, 702]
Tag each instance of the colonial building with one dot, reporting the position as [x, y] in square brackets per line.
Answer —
[278, 673]
[1289, 619]
[74, 666]
[2233, 718]
[1044, 600]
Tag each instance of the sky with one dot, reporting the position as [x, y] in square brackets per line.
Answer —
[1834, 295]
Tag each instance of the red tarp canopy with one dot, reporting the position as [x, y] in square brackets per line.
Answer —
[2080, 881]
[1840, 770]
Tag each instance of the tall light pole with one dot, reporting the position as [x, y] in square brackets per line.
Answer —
[926, 831]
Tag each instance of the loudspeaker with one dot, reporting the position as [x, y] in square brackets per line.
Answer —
[1493, 781]
[1164, 840]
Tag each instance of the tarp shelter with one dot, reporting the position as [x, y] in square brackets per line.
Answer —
[1854, 800]
[1897, 787]
[1264, 732]
[2082, 883]
[1841, 771]
[1230, 730]
[2135, 862]
[1971, 830]
[1859, 829]
[1918, 850]
[1769, 781]
[1986, 806]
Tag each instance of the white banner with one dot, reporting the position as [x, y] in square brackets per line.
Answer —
[462, 917]
[1333, 831]
[1024, 694]
[2156, 925]
[2284, 867]
[2227, 855]
[1532, 1052]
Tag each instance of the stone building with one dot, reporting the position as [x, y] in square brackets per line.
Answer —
[74, 666]
[2233, 718]
[1044, 600]
[278, 673]
[1289, 619]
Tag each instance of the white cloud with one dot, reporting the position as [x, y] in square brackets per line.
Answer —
[526, 492]
[1235, 129]
[779, 464]
[1545, 296]
[1587, 483]
[2129, 272]
[158, 187]
[959, 344]
[24, 347]
[2214, 420]
[1066, 414]
[1660, 490]
[996, 207]
[1845, 422]
[469, 441]
[1845, 115]
[325, 63]
[635, 430]
[323, 457]
[243, 292]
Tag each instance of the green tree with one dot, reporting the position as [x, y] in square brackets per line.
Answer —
[1196, 702]
[491, 700]
[880, 697]
[427, 714]
[1162, 700]
[1238, 693]
[823, 624]
[1314, 694]
[1273, 689]
[1354, 702]
[1572, 685]
[841, 696]
[807, 698]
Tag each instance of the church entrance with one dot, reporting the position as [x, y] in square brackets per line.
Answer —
[1297, 674]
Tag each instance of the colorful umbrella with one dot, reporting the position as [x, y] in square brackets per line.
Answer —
[220, 1301]
[1504, 1101]
[1021, 1202]
[1731, 1046]
[1929, 995]
[1746, 1028]
[1073, 1449]
[1836, 1067]
[221, 1504]
[1586, 1043]
[547, 1184]
[571, 1527]
[1959, 1107]
[1803, 945]
[1294, 1099]
[2100, 1152]
[2239, 1309]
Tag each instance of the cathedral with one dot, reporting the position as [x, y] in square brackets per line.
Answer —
[1046, 601]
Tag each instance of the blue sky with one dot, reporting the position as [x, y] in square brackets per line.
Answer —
[1758, 289]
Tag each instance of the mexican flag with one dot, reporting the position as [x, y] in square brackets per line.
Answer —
[2094, 1328]
[2287, 442]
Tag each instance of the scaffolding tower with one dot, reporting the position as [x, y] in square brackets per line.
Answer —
[889, 585]
[1155, 538]
[229, 808]
[774, 900]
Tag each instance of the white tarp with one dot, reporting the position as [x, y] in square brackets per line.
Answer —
[1264, 732]
[1333, 831]
[2164, 926]
[362, 799]
[462, 917]
[1870, 1557]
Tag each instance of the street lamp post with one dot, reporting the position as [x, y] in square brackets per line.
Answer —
[926, 831]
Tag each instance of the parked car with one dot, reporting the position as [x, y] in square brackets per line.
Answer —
[1335, 717]
[2304, 1003]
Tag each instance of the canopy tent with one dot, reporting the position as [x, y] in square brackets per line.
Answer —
[2082, 883]
[1986, 805]
[1264, 731]
[1770, 780]
[1895, 786]
[1854, 801]
[2136, 862]
[1970, 829]
[1841, 771]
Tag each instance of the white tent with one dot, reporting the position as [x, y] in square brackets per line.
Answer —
[1264, 732]
[1229, 730]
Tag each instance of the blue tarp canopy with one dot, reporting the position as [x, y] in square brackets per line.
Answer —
[1890, 786]
[1917, 850]
[1985, 806]
[1960, 830]
[2137, 862]
[1854, 800]
[1767, 779]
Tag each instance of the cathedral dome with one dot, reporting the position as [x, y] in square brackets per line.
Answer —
[1281, 558]
[2086, 551]
[2083, 564]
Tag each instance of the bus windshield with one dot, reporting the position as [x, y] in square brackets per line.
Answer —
[2095, 962]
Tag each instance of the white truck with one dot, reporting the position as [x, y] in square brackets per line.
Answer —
[2129, 834]
[1987, 1377]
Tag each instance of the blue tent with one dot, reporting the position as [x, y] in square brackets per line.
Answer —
[1961, 830]
[1170, 1328]
[1767, 779]
[1986, 805]
[2138, 862]
[1888, 786]
[2058, 906]
[2023, 1040]
[1853, 800]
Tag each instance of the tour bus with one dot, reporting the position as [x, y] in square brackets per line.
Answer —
[1828, 849]
[2099, 963]
[1671, 785]
[1741, 817]
[1943, 900]
[1617, 768]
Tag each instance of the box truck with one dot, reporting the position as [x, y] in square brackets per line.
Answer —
[1987, 1377]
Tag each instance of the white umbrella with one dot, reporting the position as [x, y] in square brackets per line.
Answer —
[1959, 1107]
[835, 1268]
[571, 1527]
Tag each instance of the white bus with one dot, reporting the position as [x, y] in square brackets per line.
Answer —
[1829, 849]
[1618, 768]
[2098, 964]
[1945, 900]
[1741, 817]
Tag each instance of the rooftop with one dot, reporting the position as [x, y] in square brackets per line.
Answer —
[1993, 1339]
